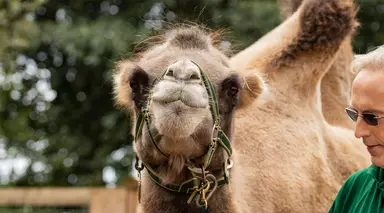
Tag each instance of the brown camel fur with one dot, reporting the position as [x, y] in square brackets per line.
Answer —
[295, 160]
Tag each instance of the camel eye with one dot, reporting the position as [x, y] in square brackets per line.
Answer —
[234, 90]
[231, 89]
[134, 86]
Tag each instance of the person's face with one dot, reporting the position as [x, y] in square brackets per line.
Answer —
[368, 97]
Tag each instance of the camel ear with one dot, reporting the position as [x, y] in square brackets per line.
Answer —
[121, 84]
[252, 89]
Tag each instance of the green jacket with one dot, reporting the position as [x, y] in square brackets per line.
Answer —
[363, 192]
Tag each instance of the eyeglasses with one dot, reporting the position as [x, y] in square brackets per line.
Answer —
[369, 118]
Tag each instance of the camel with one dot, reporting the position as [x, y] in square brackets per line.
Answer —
[298, 144]
[189, 101]
[184, 95]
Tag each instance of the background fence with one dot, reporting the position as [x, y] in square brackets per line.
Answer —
[98, 200]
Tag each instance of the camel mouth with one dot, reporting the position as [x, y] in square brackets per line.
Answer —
[178, 104]
[179, 107]
[178, 120]
[193, 95]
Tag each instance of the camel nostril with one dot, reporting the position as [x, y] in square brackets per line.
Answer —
[194, 76]
[169, 72]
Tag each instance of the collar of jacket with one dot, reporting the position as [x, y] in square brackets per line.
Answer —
[378, 174]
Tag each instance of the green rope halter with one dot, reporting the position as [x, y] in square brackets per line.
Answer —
[207, 184]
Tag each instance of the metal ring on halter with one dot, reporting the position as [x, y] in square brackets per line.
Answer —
[205, 204]
[230, 163]
[210, 179]
[139, 165]
[205, 185]
[214, 180]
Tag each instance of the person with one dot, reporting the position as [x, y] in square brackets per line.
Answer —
[363, 192]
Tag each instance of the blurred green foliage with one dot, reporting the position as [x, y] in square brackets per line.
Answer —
[57, 120]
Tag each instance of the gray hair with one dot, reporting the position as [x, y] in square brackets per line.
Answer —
[373, 60]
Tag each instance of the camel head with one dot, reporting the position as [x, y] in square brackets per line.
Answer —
[184, 87]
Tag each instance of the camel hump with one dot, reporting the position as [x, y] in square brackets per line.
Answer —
[324, 24]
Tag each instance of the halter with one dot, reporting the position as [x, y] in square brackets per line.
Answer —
[202, 184]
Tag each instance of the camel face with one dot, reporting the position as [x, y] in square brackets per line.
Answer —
[180, 103]
[167, 81]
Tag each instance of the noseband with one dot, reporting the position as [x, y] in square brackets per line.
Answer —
[202, 184]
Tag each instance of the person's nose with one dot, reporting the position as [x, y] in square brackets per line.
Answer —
[362, 128]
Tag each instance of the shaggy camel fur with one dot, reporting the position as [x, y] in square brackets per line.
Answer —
[295, 160]
[337, 82]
